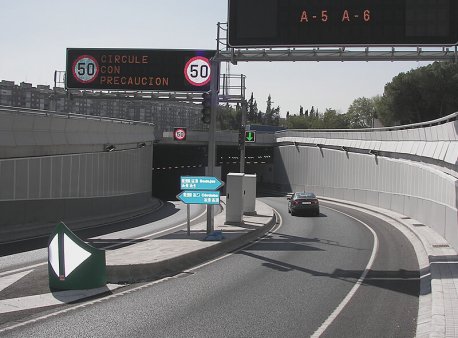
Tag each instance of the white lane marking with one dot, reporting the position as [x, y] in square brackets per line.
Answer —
[9, 272]
[8, 280]
[358, 283]
[50, 299]
[122, 293]
[394, 279]
[108, 247]
[240, 249]
[156, 233]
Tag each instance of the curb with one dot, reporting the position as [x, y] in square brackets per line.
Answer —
[135, 273]
[435, 317]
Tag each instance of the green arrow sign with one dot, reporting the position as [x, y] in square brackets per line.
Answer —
[250, 136]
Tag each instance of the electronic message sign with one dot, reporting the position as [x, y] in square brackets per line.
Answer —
[290, 23]
[139, 69]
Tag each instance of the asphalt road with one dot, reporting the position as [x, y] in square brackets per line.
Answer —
[20, 254]
[286, 285]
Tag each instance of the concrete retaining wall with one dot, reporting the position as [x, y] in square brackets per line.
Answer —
[29, 132]
[56, 168]
[38, 191]
[419, 190]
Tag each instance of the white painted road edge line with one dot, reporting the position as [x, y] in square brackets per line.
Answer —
[50, 299]
[9, 272]
[358, 283]
[11, 279]
[137, 288]
[30, 267]
[425, 315]
[279, 224]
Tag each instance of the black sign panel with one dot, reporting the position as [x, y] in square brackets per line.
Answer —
[289, 23]
[139, 69]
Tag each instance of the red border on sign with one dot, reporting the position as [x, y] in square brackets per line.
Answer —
[186, 73]
[85, 57]
[176, 136]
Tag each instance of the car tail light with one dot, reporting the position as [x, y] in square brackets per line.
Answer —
[295, 202]
[314, 201]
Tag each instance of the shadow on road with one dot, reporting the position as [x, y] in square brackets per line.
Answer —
[402, 281]
[168, 209]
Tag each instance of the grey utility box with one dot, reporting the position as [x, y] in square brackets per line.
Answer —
[249, 198]
[234, 198]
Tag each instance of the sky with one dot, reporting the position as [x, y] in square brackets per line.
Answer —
[36, 33]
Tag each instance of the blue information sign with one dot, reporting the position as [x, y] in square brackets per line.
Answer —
[200, 183]
[199, 197]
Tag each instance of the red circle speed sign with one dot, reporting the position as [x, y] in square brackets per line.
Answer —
[85, 69]
[179, 134]
[197, 71]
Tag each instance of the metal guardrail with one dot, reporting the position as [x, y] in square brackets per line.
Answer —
[31, 111]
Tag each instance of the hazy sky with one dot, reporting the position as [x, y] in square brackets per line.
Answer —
[36, 33]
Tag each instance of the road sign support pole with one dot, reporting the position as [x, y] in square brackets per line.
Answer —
[188, 219]
[242, 130]
[211, 136]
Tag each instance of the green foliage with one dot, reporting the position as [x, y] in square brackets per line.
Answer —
[361, 112]
[422, 94]
[333, 120]
[228, 118]
[297, 122]
[252, 114]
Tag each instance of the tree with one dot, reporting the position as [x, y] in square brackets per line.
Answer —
[269, 112]
[276, 116]
[333, 120]
[228, 117]
[252, 113]
[297, 122]
[361, 113]
[422, 94]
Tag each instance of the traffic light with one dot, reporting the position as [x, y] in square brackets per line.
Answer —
[206, 107]
[242, 135]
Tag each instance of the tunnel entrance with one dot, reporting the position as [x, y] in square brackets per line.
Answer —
[172, 161]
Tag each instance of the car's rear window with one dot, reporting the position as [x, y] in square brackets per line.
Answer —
[305, 195]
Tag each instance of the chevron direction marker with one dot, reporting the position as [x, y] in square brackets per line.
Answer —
[72, 263]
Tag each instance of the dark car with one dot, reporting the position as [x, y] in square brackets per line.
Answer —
[303, 202]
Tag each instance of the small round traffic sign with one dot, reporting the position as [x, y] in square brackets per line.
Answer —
[85, 69]
[197, 71]
[179, 134]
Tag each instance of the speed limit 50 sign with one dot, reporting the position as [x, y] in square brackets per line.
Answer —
[85, 69]
[139, 69]
[197, 71]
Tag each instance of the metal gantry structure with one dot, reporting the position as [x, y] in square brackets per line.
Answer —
[231, 90]
[223, 88]
[331, 53]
